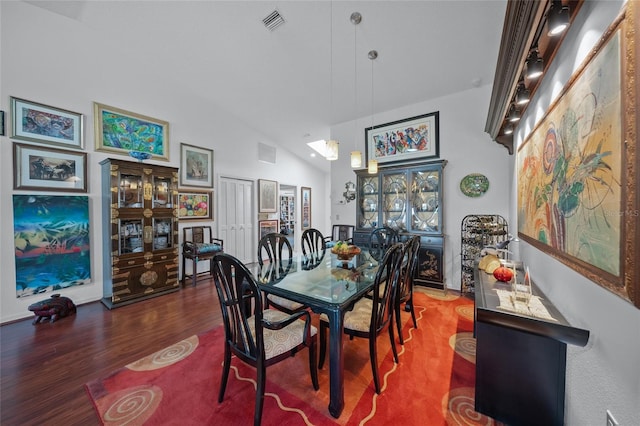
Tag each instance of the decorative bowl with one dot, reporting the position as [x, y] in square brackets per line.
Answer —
[140, 156]
[346, 253]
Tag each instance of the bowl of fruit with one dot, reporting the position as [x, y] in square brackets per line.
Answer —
[345, 251]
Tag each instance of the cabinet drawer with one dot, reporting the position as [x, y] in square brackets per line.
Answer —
[437, 241]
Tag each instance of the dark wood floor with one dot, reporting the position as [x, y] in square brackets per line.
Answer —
[44, 367]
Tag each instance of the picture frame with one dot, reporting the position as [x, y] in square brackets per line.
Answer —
[48, 169]
[410, 139]
[36, 122]
[305, 211]
[196, 166]
[577, 199]
[267, 227]
[126, 132]
[267, 196]
[195, 205]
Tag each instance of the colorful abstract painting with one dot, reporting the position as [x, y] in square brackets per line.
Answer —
[51, 238]
[118, 130]
[569, 169]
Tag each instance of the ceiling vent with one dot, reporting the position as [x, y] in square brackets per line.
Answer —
[273, 20]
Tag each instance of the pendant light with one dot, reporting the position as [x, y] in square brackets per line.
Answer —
[356, 156]
[373, 164]
[331, 148]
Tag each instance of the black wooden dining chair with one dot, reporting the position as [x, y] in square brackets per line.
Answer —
[404, 293]
[313, 248]
[380, 240]
[275, 249]
[257, 336]
[369, 318]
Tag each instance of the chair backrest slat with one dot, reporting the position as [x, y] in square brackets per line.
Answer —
[313, 246]
[241, 305]
[410, 263]
[386, 279]
[274, 247]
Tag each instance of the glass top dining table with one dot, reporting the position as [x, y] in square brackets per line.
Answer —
[328, 286]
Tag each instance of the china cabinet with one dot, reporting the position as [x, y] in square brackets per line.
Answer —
[140, 231]
[478, 231]
[409, 200]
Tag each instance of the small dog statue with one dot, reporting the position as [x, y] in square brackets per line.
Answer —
[52, 309]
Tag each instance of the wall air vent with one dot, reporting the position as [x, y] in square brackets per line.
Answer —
[266, 153]
[273, 20]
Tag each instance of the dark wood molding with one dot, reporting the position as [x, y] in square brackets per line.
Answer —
[524, 25]
[521, 22]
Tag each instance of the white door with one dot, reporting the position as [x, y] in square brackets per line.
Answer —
[235, 219]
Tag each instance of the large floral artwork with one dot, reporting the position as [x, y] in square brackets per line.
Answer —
[51, 238]
[569, 169]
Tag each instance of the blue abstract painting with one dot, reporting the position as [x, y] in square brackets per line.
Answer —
[51, 237]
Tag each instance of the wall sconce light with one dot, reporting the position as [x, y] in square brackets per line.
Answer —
[557, 18]
[350, 191]
[522, 94]
[534, 65]
[332, 150]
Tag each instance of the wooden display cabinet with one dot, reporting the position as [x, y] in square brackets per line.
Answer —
[140, 231]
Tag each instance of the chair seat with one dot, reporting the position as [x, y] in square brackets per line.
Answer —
[203, 248]
[277, 342]
[285, 303]
[359, 318]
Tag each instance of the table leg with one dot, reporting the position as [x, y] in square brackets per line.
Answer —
[336, 363]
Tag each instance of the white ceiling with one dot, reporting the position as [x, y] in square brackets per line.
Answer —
[279, 82]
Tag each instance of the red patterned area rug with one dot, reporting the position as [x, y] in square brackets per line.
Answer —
[432, 385]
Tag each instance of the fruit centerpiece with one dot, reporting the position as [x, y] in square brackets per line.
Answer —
[345, 251]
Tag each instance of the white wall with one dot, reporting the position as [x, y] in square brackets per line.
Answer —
[466, 147]
[604, 374]
[89, 69]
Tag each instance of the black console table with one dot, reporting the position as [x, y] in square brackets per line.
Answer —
[520, 356]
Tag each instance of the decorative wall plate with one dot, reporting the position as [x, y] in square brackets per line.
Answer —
[474, 185]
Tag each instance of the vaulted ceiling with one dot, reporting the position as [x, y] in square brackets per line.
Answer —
[292, 83]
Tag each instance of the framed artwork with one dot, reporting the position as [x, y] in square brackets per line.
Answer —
[35, 122]
[305, 199]
[2, 123]
[49, 169]
[576, 196]
[195, 205]
[415, 138]
[267, 227]
[120, 131]
[196, 166]
[51, 242]
[267, 196]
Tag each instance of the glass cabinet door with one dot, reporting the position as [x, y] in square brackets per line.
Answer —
[394, 200]
[369, 192]
[162, 231]
[162, 192]
[131, 236]
[425, 200]
[130, 191]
